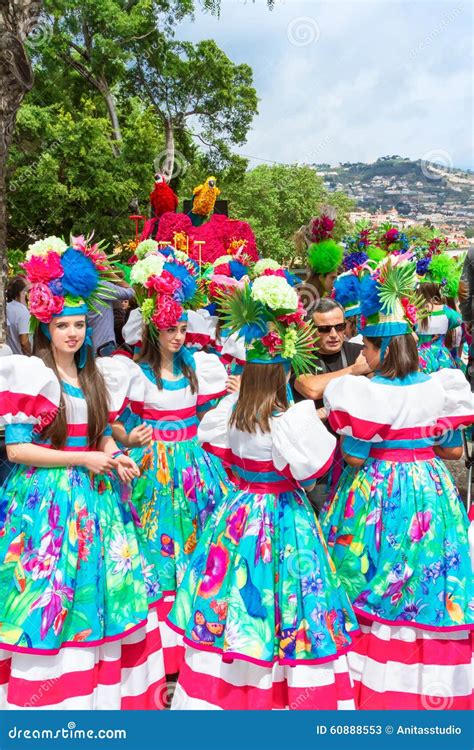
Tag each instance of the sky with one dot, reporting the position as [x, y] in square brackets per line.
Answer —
[352, 81]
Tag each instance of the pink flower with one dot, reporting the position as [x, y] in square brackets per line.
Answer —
[43, 304]
[223, 269]
[51, 601]
[165, 284]
[168, 313]
[43, 268]
[295, 317]
[420, 525]
[410, 310]
[216, 568]
[274, 272]
[391, 235]
[98, 257]
[272, 341]
[236, 524]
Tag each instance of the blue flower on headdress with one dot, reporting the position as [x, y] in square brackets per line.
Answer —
[291, 278]
[422, 266]
[56, 287]
[166, 251]
[370, 303]
[80, 277]
[346, 289]
[354, 259]
[188, 281]
[237, 269]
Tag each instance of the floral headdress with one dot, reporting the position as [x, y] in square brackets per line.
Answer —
[65, 280]
[390, 305]
[437, 266]
[269, 316]
[360, 246]
[346, 291]
[165, 284]
[324, 253]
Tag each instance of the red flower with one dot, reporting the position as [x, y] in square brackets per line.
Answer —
[274, 272]
[168, 313]
[165, 284]
[43, 268]
[322, 228]
[410, 310]
[391, 235]
[43, 304]
[223, 270]
[272, 341]
[295, 317]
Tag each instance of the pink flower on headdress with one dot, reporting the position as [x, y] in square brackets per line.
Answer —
[272, 341]
[165, 284]
[274, 272]
[223, 269]
[43, 304]
[410, 310]
[43, 268]
[391, 235]
[167, 314]
[295, 317]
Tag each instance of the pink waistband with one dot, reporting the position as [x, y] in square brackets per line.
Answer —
[175, 434]
[402, 454]
[273, 487]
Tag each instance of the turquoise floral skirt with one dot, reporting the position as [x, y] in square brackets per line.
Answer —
[180, 485]
[261, 586]
[70, 566]
[398, 535]
[434, 356]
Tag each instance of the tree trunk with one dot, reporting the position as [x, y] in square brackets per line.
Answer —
[112, 110]
[17, 19]
[168, 166]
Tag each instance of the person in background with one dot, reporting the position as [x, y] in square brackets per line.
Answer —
[18, 317]
[336, 357]
[102, 321]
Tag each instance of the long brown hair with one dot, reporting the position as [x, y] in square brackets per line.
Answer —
[431, 293]
[150, 353]
[401, 357]
[262, 392]
[93, 387]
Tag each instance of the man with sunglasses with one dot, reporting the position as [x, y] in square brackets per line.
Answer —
[336, 357]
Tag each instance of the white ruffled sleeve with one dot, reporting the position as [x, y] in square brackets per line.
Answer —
[458, 407]
[29, 396]
[302, 443]
[132, 330]
[125, 385]
[233, 350]
[358, 408]
[201, 329]
[212, 378]
[213, 430]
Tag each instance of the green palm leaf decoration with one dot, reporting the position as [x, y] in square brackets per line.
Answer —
[240, 312]
[396, 282]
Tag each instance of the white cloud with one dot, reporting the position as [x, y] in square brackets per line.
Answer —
[374, 78]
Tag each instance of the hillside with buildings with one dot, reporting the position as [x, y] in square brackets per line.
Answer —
[408, 192]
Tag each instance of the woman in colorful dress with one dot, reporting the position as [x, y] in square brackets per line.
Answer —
[180, 484]
[77, 629]
[396, 528]
[265, 621]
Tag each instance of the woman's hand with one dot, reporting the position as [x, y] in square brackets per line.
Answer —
[126, 468]
[99, 462]
[322, 413]
[141, 435]
[233, 384]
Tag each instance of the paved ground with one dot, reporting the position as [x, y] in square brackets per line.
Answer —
[459, 471]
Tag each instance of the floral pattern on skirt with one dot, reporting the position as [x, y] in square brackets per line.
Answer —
[179, 487]
[261, 586]
[398, 535]
[70, 566]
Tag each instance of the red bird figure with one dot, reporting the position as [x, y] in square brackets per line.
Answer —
[162, 198]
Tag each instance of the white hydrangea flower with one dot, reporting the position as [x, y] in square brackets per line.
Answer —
[152, 265]
[43, 247]
[262, 265]
[179, 255]
[275, 292]
[146, 247]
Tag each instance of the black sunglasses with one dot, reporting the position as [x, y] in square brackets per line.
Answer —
[339, 327]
